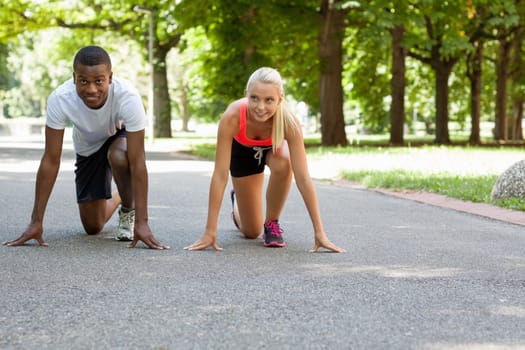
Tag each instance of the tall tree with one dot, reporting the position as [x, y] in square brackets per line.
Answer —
[390, 17]
[440, 45]
[487, 20]
[474, 66]
[398, 82]
[289, 50]
[517, 74]
[517, 78]
[504, 39]
[331, 36]
[474, 73]
[497, 20]
[502, 74]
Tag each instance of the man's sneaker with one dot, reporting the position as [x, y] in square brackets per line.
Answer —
[232, 197]
[273, 234]
[126, 224]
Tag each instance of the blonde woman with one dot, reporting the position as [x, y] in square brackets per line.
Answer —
[257, 131]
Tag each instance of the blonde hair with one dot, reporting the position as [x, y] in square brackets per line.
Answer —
[283, 118]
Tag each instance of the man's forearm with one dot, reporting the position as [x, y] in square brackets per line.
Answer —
[139, 180]
[45, 180]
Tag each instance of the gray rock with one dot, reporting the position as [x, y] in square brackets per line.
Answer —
[511, 183]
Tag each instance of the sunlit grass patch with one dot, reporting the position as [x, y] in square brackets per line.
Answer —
[473, 188]
[204, 150]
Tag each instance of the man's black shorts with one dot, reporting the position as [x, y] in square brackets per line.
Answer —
[93, 173]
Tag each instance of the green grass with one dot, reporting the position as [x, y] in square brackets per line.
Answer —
[461, 172]
[467, 173]
[472, 188]
[469, 187]
[204, 150]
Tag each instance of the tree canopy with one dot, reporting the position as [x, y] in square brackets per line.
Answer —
[372, 66]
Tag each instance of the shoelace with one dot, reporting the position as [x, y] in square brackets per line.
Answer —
[259, 152]
[128, 218]
[275, 229]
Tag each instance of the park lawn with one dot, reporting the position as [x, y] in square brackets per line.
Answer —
[461, 172]
[467, 173]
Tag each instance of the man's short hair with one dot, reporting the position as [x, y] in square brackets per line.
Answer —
[91, 56]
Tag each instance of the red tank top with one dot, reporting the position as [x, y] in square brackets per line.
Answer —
[241, 135]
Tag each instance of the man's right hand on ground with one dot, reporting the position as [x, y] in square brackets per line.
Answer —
[143, 233]
[33, 231]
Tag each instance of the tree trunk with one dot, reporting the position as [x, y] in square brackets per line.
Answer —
[442, 71]
[397, 85]
[517, 130]
[183, 105]
[474, 73]
[161, 95]
[500, 129]
[442, 67]
[517, 76]
[330, 81]
[251, 49]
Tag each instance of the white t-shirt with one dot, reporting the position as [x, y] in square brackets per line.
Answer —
[92, 127]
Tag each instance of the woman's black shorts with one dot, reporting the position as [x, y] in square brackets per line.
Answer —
[246, 160]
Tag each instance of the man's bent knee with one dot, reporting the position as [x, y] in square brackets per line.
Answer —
[118, 158]
[92, 216]
[93, 228]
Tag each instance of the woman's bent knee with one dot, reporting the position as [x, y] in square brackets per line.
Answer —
[281, 167]
[251, 232]
[251, 235]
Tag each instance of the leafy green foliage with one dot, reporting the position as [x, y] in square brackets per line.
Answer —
[242, 39]
[17, 17]
[204, 150]
[31, 80]
[514, 203]
[224, 41]
[370, 93]
[4, 73]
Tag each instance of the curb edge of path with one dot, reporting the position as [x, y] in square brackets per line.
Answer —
[481, 209]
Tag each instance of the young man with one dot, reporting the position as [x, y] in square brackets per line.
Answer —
[108, 121]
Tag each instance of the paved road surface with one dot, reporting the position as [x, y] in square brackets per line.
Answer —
[415, 276]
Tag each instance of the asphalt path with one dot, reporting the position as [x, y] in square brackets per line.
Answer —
[415, 276]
